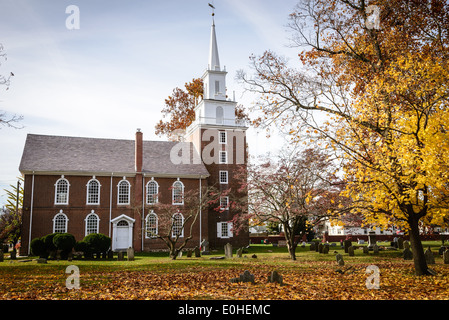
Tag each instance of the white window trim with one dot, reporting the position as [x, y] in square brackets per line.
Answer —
[225, 137]
[56, 191]
[219, 230]
[220, 161]
[87, 192]
[173, 193]
[227, 203]
[152, 213]
[147, 192]
[92, 213]
[118, 192]
[227, 176]
[61, 213]
[182, 225]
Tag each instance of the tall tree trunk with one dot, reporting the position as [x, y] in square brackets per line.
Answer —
[419, 258]
[290, 239]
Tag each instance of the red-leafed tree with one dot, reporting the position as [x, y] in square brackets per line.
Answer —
[298, 190]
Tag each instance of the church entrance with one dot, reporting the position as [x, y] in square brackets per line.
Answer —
[122, 233]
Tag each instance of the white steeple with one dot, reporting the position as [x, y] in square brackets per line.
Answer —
[214, 60]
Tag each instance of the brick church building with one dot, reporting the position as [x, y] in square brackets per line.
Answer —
[90, 185]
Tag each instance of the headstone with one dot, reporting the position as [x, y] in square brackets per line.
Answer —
[180, 254]
[228, 250]
[351, 251]
[244, 277]
[120, 256]
[340, 260]
[400, 243]
[130, 254]
[430, 259]
[239, 252]
[275, 277]
[205, 246]
[376, 249]
[347, 244]
[365, 250]
[189, 253]
[320, 247]
[407, 254]
[110, 254]
[254, 256]
[360, 241]
[446, 256]
[312, 246]
[197, 252]
[326, 249]
[406, 245]
[2, 256]
[41, 260]
[441, 250]
[13, 254]
[371, 239]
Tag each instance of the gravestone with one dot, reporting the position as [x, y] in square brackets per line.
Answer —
[110, 254]
[347, 244]
[320, 248]
[228, 250]
[400, 243]
[446, 256]
[376, 249]
[244, 277]
[340, 260]
[351, 251]
[239, 252]
[197, 252]
[120, 256]
[130, 254]
[371, 240]
[407, 254]
[179, 254]
[41, 260]
[275, 277]
[406, 245]
[365, 250]
[205, 246]
[189, 253]
[2, 257]
[312, 246]
[430, 259]
[326, 249]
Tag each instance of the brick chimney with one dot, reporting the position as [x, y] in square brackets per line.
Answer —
[139, 151]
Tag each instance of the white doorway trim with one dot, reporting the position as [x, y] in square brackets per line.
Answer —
[122, 226]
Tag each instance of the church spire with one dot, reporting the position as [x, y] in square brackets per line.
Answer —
[214, 60]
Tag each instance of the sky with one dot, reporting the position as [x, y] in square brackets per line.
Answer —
[109, 75]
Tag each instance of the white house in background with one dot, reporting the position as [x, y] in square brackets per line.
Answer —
[353, 231]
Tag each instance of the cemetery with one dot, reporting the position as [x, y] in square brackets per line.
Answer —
[322, 271]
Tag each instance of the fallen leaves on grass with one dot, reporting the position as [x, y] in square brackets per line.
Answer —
[310, 280]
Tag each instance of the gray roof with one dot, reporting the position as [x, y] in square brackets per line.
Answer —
[45, 154]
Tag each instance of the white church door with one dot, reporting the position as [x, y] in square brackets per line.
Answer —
[122, 233]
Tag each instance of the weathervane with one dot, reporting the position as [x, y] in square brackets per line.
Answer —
[213, 8]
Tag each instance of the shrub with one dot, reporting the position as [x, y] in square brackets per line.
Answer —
[97, 243]
[64, 242]
[48, 240]
[38, 248]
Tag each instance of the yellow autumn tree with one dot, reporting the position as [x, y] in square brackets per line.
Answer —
[373, 85]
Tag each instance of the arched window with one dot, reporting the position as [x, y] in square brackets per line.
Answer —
[178, 221]
[151, 229]
[60, 222]
[219, 115]
[123, 192]
[93, 191]
[152, 191]
[92, 223]
[62, 191]
[178, 192]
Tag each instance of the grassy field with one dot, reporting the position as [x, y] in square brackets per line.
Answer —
[155, 276]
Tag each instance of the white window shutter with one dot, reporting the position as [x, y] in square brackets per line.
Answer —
[219, 230]
[230, 229]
